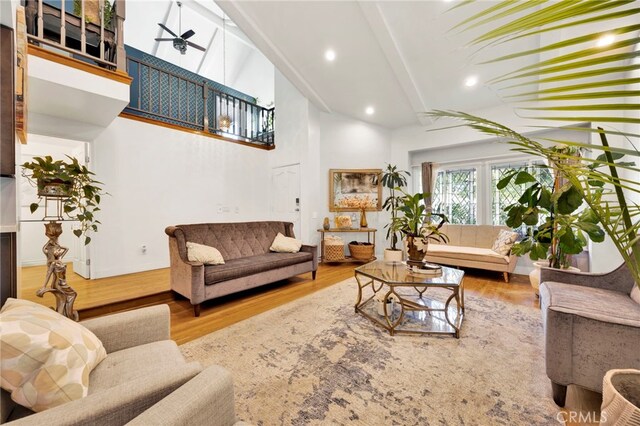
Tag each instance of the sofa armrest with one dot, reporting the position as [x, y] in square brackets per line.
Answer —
[205, 399]
[117, 405]
[313, 249]
[131, 328]
[619, 279]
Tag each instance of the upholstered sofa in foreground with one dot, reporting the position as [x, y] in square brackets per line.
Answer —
[591, 325]
[248, 261]
[470, 246]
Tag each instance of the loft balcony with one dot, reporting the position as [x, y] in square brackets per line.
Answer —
[90, 30]
[164, 93]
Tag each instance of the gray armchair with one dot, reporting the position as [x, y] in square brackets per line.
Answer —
[142, 367]
[591, 325]
[207, 399]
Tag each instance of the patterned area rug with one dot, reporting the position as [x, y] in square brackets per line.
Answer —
[314, 361]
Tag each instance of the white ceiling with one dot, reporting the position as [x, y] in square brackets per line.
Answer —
[397, 56]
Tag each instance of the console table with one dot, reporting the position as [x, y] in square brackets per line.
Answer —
[371, 238]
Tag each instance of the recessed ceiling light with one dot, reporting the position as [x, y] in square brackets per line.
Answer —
[330, 55]
[471, 81]
[605, 40]
[369, 110]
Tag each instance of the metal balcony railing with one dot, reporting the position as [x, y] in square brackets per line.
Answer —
[174, 96]
[89, 29]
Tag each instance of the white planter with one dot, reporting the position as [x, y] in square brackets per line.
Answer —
[534, 276]
[392, 255]
[381, 307]
[620, 398]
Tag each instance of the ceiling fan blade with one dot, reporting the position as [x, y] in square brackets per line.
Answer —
[196, 46]
[187, 34]
[167, 30]
[164, 39]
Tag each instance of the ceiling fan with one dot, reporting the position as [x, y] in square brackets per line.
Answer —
[180, 43]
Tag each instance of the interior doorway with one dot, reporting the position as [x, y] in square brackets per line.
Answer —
[285, 203]
[31, 236]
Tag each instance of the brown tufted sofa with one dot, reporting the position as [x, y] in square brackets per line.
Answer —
[248, 261]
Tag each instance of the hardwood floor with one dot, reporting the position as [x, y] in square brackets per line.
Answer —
[102, 296]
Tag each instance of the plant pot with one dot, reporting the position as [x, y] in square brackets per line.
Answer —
[56, 188]
[534, 276]
[391, 255]
[620, 398]
[414, 254]
[380, 305]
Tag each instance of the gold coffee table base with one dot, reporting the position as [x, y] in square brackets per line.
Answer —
[412, 311]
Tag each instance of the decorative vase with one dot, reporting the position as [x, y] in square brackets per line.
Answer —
[415, 255]
[391, 255]
[381, 307]
[620, 398]
[363, 219]
[325, 224]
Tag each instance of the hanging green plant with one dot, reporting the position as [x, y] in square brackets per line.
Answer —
[71, 182]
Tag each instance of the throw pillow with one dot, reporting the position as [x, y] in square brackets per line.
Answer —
[204, 254]
[282, 244]
[45, 358]
[502, 244]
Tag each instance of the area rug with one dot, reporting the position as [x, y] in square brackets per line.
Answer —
[314, 361]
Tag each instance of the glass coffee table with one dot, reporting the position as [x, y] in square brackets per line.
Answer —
[402, 301]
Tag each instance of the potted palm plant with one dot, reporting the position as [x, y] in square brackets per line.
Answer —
[72, 183]
[418, 226]
[393, 179]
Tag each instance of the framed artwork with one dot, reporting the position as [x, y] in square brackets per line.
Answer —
[355, 189]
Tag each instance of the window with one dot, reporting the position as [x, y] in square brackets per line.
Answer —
[454, 195]
[512, 192]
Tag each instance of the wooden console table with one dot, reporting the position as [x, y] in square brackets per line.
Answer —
[371, 237]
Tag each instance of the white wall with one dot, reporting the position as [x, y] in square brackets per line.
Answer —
[159, 177]
[256, 78]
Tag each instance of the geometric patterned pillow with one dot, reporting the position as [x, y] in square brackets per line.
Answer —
[45, 358]
[502, 244]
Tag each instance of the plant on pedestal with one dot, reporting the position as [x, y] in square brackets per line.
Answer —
[73, 184]
[394, 180]
[417, 225]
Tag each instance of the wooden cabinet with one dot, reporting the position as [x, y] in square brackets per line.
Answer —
[8, 266]
[7, 103]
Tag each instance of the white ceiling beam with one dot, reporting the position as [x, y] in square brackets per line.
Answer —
[160, 32]
[389, 47]
[272, 52]
[206, 52]
[217, 20]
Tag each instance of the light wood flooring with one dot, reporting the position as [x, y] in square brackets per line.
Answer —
[106, 295]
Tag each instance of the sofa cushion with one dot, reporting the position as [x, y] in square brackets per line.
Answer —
[282, 244]
[467, 253]
[503, 243]
[237, 268]
[135, 362]
[46, 357]
[594, 303]
[203, 254]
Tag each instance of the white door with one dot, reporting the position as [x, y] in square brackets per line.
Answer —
[285, 203]
[81, 258]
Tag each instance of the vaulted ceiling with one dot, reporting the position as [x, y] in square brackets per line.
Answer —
[398, 57]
